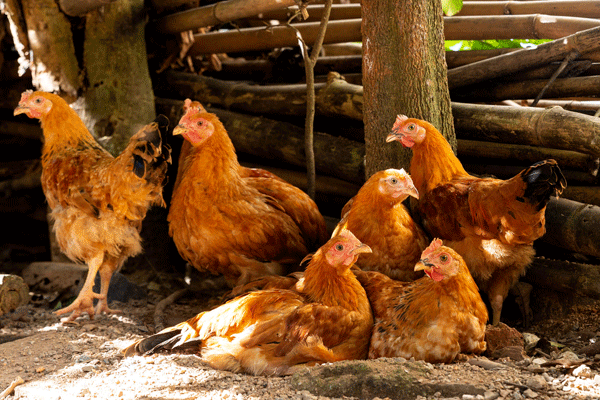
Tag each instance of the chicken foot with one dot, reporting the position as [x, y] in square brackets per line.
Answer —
[85, 299]
[108, 267]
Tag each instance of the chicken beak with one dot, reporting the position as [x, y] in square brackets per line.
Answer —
[179, 130]
[362, 248]
[393, 136]
[423, 265]
[21, 109]
[412, 191]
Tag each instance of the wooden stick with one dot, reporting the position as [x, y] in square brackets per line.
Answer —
[580, 8]
[537, 26]
[251, 39]
[565, 276]
[159, 311]
[580, 86]
[78, 8]
[11, 387]
[215, 14]
[582, 42]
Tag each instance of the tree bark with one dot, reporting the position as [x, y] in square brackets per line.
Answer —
[403, 72]
[118, 99]
[582, 42]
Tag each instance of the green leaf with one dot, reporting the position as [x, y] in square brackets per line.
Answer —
[451, 7]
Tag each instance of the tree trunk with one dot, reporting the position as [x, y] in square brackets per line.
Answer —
[118, 99]
[403, 72]
[103, 60]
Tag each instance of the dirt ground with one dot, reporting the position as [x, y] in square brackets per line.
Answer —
[84, 361]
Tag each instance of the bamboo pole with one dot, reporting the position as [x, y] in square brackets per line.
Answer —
[582, 86]
[315, 12]
[582, 42]
[564, 276]
[254, 39]
[580, 8]
[78, 8]
[575, 226]
[537, 26]
[551, 127]
[215, 14]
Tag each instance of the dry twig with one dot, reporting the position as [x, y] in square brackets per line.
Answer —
[13, 385]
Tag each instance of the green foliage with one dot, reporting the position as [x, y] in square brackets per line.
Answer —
[451, 7]
[458, 45]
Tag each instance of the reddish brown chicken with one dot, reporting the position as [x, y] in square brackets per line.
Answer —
[378, 218]
[97, 201]
[229, 221]
[491, 223]
[433, 318]
[273, 332]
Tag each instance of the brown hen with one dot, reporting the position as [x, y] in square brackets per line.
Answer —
[275, 331]
[227, 220]
[433, 318]
[491, 223]
[97, 201]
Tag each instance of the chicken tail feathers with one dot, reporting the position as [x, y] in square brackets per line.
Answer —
[151, 344]
[542, 180]
[151, 153]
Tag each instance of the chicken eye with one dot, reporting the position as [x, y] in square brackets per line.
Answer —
[339, 247]
[393, 181]
[411, 127]
[200, 123]
[38, 100]
[444, 258]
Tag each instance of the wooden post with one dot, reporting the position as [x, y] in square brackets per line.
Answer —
[78, 8]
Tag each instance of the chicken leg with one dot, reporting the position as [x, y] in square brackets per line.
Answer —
[108, 267]
[85, 300]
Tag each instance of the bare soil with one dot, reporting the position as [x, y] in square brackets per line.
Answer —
[84, 361]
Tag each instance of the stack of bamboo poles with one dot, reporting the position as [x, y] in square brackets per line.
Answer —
[511, 107]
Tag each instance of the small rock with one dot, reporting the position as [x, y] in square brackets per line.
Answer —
[83, 358]
[531, 340]
[489, 395]
[39, 370]
[530, 394]
[568, 355]
[536, 382]
[468, 397]
[87, 368]
[485, 363]
[582, 371]
[515, 353]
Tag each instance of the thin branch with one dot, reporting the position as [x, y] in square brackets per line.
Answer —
[570, 57]
[309, 65]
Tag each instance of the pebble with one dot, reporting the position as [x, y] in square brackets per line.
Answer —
[536, 382]
[530, 394]
[489, 395]
[583, 371]
[83, 358]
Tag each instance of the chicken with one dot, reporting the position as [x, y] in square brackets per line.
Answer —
[97, 201]
[491, 223]
[433, 318]
[378, 218]
[229, 221]
[275, 331]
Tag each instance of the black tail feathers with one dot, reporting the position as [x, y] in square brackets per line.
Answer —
[152, 153]
[543, 179]
[151, 344]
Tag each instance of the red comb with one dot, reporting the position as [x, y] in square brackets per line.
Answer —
[25, 95]
[399, 121]
[435, 244]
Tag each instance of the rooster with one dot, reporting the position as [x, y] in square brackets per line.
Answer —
[434, 318]
[378, 218]
[491, 223]
[97, 201]
[276, 331]
[233, 221]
